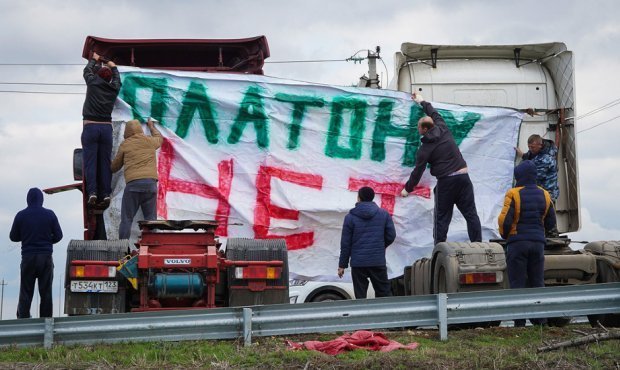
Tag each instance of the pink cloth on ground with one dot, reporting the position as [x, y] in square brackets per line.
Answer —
[361, 339]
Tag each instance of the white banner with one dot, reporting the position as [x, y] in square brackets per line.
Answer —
[271, 158]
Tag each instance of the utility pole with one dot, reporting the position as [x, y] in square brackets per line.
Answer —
[3, 283]
[372, 80]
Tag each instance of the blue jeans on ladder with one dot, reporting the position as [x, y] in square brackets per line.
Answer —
[96, 158]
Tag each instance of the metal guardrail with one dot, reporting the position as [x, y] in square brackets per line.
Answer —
[282, 319]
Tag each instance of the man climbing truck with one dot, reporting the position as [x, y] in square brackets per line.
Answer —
[535, 78]
[178, 264]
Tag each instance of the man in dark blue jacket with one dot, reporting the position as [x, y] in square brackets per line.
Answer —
[367, 231]
[103, 84]
[454, 187]
[37, 228]
[527, 213]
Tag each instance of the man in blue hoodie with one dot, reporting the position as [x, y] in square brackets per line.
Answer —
[37, 228]
[367, 231]
[528, 211]
[454, 187]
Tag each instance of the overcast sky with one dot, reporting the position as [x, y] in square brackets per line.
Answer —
[39, 131]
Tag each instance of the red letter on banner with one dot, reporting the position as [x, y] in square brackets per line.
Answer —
[168, 184]
[265, 210]
[388, 191]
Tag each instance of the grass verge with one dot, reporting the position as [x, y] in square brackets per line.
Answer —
[493, 348]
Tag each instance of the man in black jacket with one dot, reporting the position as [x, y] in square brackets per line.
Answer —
[103, 84]
[367, 231]
[37, 228]
[454, 186]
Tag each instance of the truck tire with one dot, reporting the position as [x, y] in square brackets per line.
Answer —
[445, 282]
[607, 254]
[607, 274]
[407, 288]
[96, 303]
[559, 322]
[241, 249]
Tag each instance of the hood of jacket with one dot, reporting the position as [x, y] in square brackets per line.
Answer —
[525, 173]
[34, 198]
[133, 127]
[365, 210]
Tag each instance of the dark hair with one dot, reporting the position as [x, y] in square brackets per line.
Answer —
[366, 194]
[105, 73]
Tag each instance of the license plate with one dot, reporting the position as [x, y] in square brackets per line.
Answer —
[93, 286]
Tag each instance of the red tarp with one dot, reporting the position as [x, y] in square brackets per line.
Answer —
[361, 339]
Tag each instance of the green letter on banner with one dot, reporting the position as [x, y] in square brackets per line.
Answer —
[384, 128]
[299, 109]
[358, 115]
[196, 99]
[252, 110]
[460, 123]
[159, 87]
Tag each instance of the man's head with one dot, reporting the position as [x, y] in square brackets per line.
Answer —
[105, 73]
[365, 194]
[424, 124]
[132, 127]
[535, 143]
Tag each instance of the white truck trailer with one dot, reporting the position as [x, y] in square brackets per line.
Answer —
[538, 78]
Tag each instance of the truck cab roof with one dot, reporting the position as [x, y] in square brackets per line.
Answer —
[205, 55]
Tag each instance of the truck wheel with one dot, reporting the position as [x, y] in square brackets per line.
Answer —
[558, 322]
[607, 274]
[241, 249]
[324, 297]
[96, 303]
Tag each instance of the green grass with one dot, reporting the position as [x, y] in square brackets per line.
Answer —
[494, 348]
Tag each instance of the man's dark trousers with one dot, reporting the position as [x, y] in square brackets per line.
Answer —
[33, 267]
[97, 155]
[526, 269]
[450, 191]
[378, 277]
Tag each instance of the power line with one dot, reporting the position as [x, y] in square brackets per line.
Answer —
[599, 109]
[40, 92]
[599, 124]
[40, 64]
[305, 61]
[42, 83]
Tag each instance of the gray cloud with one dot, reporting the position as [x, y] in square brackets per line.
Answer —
[39, 132]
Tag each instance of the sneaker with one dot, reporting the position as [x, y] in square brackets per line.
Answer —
[92, 199]
[106, 201]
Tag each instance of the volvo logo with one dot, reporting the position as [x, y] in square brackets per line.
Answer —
[177, 261]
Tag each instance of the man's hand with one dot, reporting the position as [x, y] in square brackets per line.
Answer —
[111, 64]
[340, 272]
[404, 193]
[150, 123]
[96, 56]
[417, 98]
[519, 152]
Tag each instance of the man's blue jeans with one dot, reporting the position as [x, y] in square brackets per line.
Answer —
[142, 194]
[96, 158]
